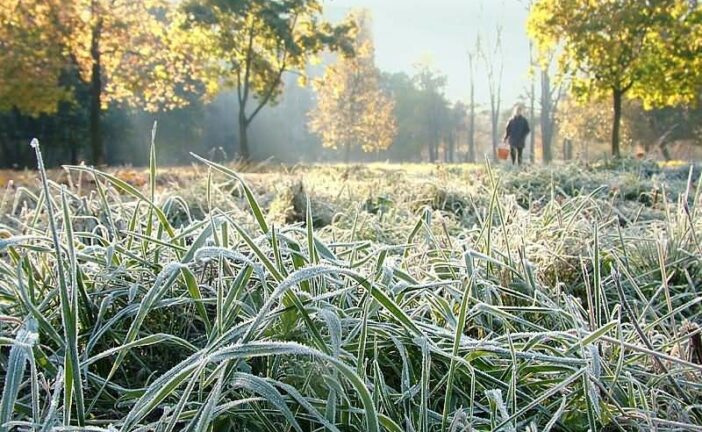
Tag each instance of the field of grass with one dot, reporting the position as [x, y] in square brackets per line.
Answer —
[382, 297]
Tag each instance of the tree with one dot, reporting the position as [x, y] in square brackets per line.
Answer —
[425, 118]
[454, 128]
[546, 118]
[671, 124]
[250, 44]
[532, 103]
[125, 51]
[641, 49]
[129, 53]
[408, 112]
[433, 107]
[588, 125]
[472, 56]
[550, 98]
[352, 110]
[494, 67]
[30, 59]
[32, 83]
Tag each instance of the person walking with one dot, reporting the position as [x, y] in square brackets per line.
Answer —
[515, 134]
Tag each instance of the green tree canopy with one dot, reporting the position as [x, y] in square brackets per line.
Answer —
[352, 109]
[408, 144]
[641, 49]
[434, 110]
[126, 51]
[30, 59]
[248, 45]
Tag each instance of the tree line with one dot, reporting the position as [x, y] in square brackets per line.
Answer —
[643, 51]
[89, 76]
[84, 57]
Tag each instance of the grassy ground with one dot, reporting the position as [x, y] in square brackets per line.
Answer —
[381, 297]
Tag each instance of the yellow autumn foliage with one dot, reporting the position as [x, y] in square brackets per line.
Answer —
[134, 43]
[352, 110]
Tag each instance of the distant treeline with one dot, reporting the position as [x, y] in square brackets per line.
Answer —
[280, 133]
[90, 77]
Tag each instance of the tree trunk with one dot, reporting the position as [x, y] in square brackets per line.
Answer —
[471, 125]
[22, 157]
[532, 102]
[663, 141]
[546, 116]
[450, 146]
[665, 152]
[567, 149]
[243, 135]
[493, 120]
[73, 148]
[435, 149]
[96, 144]
[5, 140]
[532, 120]
[18, 158]
[5, 153]
[616, 123]
[496, 138]
[471, 117]
[433, 142]
[347, 153]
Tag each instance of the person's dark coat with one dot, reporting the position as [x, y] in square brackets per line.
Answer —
[517, 131]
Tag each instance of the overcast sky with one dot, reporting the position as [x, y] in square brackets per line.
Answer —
[443, 31]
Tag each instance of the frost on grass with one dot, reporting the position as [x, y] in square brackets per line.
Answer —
[355, 326]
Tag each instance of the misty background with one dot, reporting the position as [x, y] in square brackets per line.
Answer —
[437, 34]
[412, 39]
[442, 32]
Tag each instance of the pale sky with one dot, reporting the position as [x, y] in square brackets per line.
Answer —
[444, 30]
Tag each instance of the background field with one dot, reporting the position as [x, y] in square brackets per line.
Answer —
[403, 297]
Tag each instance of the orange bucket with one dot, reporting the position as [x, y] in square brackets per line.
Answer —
[502, 153]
